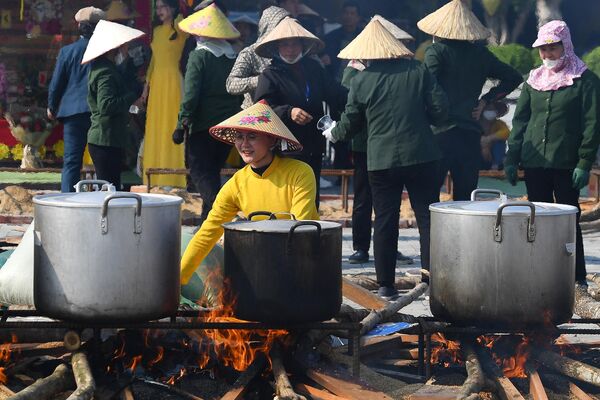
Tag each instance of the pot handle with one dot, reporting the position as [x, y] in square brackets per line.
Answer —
[261, 213]
[297, 225]
[530, 219]
[275, 214]
[500, 194]
[137, 219]
[91, 182]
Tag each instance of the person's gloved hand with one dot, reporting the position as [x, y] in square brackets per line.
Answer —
[510, 171]
[327, 133]
[178, 135]
[580, 178]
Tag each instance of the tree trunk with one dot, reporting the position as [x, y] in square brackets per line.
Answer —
[547, 10]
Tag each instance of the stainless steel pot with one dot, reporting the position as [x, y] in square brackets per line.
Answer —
[502, 262]
[107, 255]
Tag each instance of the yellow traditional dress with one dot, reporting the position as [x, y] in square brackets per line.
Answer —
[166, 87]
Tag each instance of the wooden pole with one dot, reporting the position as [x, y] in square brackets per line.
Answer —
[283, 387]
[83, 377]
[475, 378]
[569, 367]
[506, 390]
[536, 388]
[46, 388]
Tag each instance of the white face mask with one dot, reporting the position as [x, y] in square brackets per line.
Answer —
[119, 58]
[294, 61]
[490, 115]
[551, 63]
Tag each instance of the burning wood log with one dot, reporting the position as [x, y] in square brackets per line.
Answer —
[376, 317]
[475, 381]
[283, 387]
[83, 377]
[240, 385]
[569, 367]
[506, 390]
[46, 388]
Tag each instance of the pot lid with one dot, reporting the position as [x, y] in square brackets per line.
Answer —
[96, 199]
[278, 226]
[490, 207]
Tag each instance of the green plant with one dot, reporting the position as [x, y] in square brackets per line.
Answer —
[592, 60]
[514, 55]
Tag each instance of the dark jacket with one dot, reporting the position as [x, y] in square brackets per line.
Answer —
[205, 100]
[462, 68]
[398, 100]
[557, 128]
[109, 99]
[359, 139]
[68, 89]
[335, 41]
[305, 85]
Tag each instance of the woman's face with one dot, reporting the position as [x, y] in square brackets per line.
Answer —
[290, 48]
[552, 51]
[254, 148]
[163, 11]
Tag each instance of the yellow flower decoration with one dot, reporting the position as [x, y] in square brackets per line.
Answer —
[17, 151]
[4, 151]
[59, 148]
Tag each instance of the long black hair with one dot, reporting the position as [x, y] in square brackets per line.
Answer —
[86, 29]
[173, 5]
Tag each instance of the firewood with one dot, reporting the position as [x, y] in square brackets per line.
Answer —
[83, 377]
[239, 386]
[344, 387]
[475, 378]
[351, 314]
[569, 367]
[504, 387]
[283, 387]
[361, 296]
[5, 392]
[578, 393]
[376, 317]
[316, 394]
[536, 388]
[46, 388]
[594, 278]
[585, 305]
[169, 389]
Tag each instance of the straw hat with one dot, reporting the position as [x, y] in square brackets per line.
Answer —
[454, 21]
[398, 33]
[107, 36]
[90, 14]
[305, 10]
[259, 118]
[288, 28]
[210, 22]
[118, 11]
[374, 43]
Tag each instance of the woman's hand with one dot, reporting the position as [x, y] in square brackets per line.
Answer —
[300, 116]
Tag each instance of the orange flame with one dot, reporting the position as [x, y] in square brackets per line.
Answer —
[159, 356]
[5, 357]
[173, 379]
[134, 363]
[446, 352]
[512, 366]
[3, 377]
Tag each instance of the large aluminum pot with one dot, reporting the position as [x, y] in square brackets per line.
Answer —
[107, 255]
[509, 263]
[284, 271]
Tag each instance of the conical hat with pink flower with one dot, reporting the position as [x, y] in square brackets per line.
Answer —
[210, 22]
[259, 118]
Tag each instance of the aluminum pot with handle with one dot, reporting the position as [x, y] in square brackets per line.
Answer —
[500, 262]
[107, 255]
[283, 270]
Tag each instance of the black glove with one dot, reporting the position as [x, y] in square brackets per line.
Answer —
[178, 135]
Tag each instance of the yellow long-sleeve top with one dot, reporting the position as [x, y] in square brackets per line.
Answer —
[287, 185]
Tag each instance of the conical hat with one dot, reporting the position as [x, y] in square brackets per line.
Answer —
[118, 11]
[398, 33]
[288, 28]
[374, 43]
[107, 36]
[259, 118]
[454, 21]
[210, 22]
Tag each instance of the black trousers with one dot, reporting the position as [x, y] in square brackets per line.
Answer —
[205, 157]
[461, 152]
[387, 185]
[556, 185]
[363, 204]
[315, 160]
[107, 163]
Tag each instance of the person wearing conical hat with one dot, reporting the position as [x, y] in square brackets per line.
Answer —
[296, 86]
[462, 64]
[556, 128]
[109, 98]
[67, 97]
[268, 182]
[205, 100]
[397, 99]
[362, 206]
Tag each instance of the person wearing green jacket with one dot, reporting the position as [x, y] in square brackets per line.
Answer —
[398, 99]
[556, 128]
[462, 64]
[205, 100]
[109, 98]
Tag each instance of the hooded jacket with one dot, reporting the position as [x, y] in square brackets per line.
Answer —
[243, 78]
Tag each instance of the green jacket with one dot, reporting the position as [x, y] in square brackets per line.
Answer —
[557, 128]
[359, 140]
[205, 100]
[397, 100]
[109, 99]
[462, 68]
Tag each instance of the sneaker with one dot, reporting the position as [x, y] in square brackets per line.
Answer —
[359, 257]
[387, 292]
[401, 259]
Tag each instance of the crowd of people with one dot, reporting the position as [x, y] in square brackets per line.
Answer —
[401, 122]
